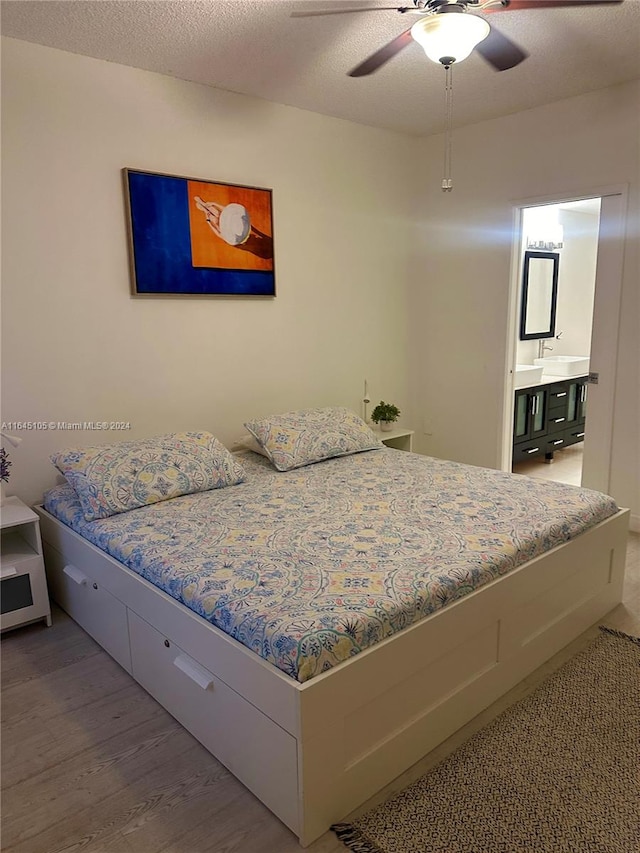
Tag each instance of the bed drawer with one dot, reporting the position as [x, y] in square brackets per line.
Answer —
[101, 615]
[254, 748]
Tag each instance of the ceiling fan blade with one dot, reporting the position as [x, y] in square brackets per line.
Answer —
[319, 12]
[384, 54]
[515, 5]
[500, 51]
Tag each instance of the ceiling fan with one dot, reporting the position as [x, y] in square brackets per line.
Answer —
[448, 30]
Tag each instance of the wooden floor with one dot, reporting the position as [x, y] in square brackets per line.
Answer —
[91, 763]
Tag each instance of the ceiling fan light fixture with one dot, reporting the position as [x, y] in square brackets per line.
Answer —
[449, 38]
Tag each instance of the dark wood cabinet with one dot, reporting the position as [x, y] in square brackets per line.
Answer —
[549, 417]
[577, 401]
[530, 421]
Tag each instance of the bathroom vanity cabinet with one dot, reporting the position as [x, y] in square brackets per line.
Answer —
[548, 417]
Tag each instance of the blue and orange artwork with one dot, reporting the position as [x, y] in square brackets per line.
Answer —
[199, 238]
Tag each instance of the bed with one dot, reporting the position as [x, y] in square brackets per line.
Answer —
[319, 630]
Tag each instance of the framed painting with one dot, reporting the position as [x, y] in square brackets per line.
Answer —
[190, 237]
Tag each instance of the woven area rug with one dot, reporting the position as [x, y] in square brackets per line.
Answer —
[559, 772]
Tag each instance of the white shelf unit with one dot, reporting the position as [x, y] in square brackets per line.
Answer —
[399, 439]
[23, 585]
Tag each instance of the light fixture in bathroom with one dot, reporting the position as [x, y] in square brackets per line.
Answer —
[543, 229]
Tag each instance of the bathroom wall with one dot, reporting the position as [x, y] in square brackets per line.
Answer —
[576, 286]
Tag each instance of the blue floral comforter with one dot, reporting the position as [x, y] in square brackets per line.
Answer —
[311, 566]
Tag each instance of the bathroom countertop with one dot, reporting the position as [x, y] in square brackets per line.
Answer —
[548, 379]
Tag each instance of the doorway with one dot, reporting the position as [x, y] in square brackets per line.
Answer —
[585, 235]
[556, 323]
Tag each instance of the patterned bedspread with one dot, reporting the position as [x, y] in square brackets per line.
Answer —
[311, 566]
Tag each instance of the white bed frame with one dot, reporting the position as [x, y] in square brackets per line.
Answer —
[313, 752]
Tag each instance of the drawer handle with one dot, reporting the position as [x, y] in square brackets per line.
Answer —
[75, 575]
[579, 434]
[8, 572]
[561, 394]
[197, 673]
[558, 420]
[532, 450]
[558, 441]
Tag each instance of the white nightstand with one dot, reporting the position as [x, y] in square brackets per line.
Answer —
[399, 439]
[23, 583]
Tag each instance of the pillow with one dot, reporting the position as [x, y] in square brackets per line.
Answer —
[311, 435]
[114, 478]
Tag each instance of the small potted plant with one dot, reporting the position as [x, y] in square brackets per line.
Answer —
[385, 414]
[5, 465]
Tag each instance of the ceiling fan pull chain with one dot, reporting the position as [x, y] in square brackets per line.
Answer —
[447, 180]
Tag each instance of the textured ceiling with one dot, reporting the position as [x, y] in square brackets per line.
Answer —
[255, 47]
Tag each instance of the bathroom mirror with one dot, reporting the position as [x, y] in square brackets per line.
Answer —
[539, 295]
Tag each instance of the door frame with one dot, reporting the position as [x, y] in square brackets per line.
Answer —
[605, 328]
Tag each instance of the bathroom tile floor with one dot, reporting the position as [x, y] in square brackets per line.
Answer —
[566, 466]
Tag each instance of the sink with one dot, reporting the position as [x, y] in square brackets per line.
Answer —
[564, 365]
[528, 374]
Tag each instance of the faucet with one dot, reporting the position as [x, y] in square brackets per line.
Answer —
[542, 347]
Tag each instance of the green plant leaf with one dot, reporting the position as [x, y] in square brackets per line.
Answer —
[385, 412]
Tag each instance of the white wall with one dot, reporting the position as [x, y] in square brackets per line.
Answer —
[460, 296]
[77, 347]
[576, 282]
[357, 295]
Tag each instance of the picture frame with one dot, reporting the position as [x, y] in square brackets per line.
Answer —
[196, 237]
